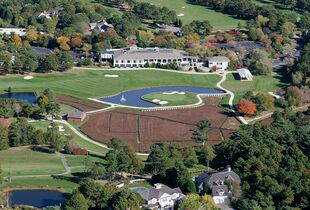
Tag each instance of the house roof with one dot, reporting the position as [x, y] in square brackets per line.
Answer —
[218, 59]
[221, 190]
[218, 178]
[150, 53]
[158, 191]
[76, 114]
[4, 122]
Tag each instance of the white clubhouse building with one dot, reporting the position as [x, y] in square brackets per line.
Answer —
[138, 57]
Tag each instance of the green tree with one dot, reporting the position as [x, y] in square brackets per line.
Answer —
[76, 202]
[4, 138]
[126, 199]
[260, 62]
[200, 135]
[189, 156]
[54, 138]
[194, 201]
[207, 154]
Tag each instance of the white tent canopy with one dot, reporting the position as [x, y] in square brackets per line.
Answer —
[245, 74]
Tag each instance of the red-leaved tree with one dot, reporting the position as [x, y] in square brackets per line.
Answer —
[246, 107]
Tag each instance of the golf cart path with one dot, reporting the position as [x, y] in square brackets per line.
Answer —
[232, 96]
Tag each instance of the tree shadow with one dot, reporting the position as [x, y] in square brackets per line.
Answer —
[43, 149]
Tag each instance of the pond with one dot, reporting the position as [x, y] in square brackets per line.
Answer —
[133, 98]
[36, 198]
[29, 97]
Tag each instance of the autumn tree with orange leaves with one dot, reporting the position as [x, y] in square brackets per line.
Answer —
[246, 107]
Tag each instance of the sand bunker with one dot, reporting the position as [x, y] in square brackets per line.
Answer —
[155, 100]
[163, 102]
[183, 7]
[180, 15]
[174, 92]
[28, 77]
[111, 75]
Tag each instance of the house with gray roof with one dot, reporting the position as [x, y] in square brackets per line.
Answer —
[100, 26]
[134, 57]
[161, 197]
[218, 183]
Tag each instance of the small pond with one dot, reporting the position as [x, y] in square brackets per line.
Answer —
[29, 97]
[36, 198]
[133, 98]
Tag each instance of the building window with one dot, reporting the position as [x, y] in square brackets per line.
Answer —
[146, 60]
[128, 61]
[116, 61]
[151, 60]
[134, 61]
[123, 61]
[159, 60]
[164, 61]
[169, 60]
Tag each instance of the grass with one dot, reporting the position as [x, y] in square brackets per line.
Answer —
[65, 109]
[92, 83]
[191, 12]
[24, 161]
[63, 184]
[259, 84]
[81, 142]
[173, 99]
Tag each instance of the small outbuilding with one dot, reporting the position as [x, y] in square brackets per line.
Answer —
[245, 74]
[4, 122]
[76, 116]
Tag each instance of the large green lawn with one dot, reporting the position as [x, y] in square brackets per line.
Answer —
[24, 161]
[195, 12]
[259, 84]
[92, 83]
[172, 99]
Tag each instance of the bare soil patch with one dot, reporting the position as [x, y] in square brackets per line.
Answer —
[141, 129]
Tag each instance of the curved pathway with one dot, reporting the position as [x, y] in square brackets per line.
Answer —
[232, 96]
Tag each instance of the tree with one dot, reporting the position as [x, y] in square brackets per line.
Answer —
[189, 156]
[126, 199]
[97, 195]
[201, 133]
[260, 62]
[76, 202]
[16, 40]
[207, 154]
[292, 96]
[4, 138]
[203, 28]
[63, 43]
[263, 101]
[144, 38]
[1, 177]
[194, 201]
[246, 107]
[53, 138]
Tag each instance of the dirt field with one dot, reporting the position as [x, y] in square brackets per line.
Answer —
[83, 105]
[141, 129]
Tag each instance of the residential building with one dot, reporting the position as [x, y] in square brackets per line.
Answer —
[161, 197]
[137, 57]
[17, 31]
[100, 26]
[76, 116]
[218, 183]
[245, 74]
[218, 62]
[51, 12]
